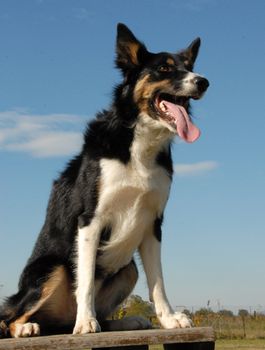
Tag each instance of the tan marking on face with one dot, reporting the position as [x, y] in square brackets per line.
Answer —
[170, 61]
[144, 90]
[139, 88]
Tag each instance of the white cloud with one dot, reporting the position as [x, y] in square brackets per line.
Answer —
[195, 168]
[40, 135]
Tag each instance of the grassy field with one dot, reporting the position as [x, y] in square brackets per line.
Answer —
[234, 327]
[234, 332]
[244, 331]
[241, 344]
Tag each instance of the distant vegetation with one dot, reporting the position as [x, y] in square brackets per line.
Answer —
[225, 323]
[230, 326]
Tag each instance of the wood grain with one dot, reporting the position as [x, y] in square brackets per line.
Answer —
[111, 339]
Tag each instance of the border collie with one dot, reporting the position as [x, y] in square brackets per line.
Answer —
[108, 204]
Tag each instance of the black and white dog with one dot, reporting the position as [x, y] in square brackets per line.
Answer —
[109, 203]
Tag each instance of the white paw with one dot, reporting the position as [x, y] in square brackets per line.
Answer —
[26, 330]
[90, 325]
[176, 320]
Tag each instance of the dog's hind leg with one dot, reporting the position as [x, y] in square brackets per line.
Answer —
[16, 311]
[52, 304]
[112, 293]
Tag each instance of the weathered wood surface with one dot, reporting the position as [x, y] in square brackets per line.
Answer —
[110, 339]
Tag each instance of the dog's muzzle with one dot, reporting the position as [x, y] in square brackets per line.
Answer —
[201, 83]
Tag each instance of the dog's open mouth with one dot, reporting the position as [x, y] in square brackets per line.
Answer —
[173, 111]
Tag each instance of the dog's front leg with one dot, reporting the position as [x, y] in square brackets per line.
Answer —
[150, 252]
[87, 244]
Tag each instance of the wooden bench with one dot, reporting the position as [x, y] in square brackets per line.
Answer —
[174, 339]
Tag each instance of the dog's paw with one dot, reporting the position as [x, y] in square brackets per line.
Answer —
[29, 329]
[90, 325]
[176, 320]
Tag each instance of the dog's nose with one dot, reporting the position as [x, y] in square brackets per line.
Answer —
[201, 83]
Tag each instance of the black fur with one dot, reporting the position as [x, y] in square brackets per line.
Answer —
[157, 228]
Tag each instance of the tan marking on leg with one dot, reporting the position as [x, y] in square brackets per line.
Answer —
[21, 328]
[55, 303]
[61, 304]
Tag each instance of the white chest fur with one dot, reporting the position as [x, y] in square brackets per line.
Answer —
[131, 197]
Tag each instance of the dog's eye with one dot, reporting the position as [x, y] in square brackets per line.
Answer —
[165, 68]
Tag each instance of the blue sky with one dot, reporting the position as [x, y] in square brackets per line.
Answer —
[57, 71]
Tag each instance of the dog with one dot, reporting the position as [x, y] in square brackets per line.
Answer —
[108, 204]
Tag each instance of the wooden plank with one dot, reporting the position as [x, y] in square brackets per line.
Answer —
[110, 339]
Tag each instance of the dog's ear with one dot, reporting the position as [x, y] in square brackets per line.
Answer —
[130, 51]
[191, 53]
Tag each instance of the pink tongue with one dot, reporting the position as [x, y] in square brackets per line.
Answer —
[185, 128]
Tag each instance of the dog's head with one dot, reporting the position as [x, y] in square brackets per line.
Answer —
[161, 84]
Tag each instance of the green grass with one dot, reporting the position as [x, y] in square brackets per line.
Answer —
[240, 344]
